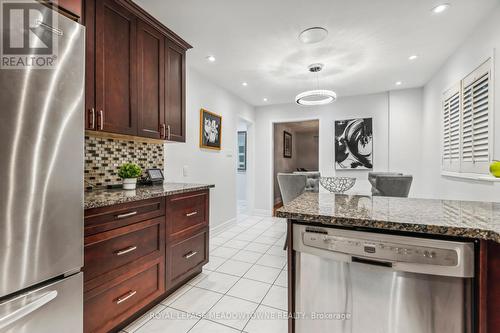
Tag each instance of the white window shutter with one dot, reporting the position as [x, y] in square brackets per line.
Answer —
[451, 130]
[476, 123]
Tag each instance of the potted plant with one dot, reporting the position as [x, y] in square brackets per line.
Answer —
[129, 172]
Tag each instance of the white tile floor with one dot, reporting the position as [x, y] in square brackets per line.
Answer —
[242, 289]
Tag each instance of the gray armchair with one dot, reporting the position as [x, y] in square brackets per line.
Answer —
[390, 184]
[291, 186]
[312, 183]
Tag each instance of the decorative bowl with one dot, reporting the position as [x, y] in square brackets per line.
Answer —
[337, 184]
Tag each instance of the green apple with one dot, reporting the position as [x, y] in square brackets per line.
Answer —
[495, 169]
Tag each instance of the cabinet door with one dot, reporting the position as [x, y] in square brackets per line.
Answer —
[175, 86]
[116, 89]
[151, 82]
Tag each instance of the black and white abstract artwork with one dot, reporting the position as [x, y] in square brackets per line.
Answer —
[354, 144]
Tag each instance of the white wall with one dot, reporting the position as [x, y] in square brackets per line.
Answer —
[209, 166]
[403, 133]
[475, 50]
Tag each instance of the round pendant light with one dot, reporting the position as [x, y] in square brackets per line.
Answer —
[316, 96]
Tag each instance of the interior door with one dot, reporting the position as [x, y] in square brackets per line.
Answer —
[151, 82]
[175, 108]
[115, 49]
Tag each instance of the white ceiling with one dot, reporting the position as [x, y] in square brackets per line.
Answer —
[366, 51]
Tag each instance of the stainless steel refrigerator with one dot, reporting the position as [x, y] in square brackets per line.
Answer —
[41, 179]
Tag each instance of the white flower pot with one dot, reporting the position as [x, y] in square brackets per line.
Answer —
[129, 183]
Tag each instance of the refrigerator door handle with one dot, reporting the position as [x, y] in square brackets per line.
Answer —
[27, 309]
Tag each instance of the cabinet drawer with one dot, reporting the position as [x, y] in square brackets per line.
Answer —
[109, 250]
[187, 212]
[109, 307]
[187, 255]
[112, 217]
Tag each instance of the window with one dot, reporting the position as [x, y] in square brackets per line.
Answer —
[242, 151]
[467, 123]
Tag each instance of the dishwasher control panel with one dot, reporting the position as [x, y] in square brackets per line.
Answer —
[382, 250]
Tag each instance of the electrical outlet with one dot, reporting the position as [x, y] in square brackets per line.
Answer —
[185, 171]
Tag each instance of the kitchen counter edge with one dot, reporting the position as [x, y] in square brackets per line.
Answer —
[109, 197]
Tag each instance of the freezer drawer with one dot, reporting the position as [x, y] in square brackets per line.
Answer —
[57, 307]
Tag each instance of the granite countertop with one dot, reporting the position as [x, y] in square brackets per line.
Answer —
[108, 197]
[479, 220]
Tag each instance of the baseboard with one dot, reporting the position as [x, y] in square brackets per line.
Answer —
[262, 212]
[215, 230]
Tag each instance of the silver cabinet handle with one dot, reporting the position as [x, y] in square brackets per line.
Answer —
[191, 214]
[92, 118]
[190, 254]
[17, 315]
[125, 251]
[125, 297]
[168, 132]
[101, 117]
[122, 216]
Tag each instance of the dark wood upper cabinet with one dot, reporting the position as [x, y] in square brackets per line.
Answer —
[135, 76]
[115, 68]
[151, 82]
[175, 92]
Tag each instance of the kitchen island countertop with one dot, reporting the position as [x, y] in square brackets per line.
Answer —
[478, 220]
[107, 197]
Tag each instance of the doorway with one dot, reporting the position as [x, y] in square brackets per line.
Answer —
[243, 168]
[296, 149]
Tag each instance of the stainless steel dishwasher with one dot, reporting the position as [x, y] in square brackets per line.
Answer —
[358, 282]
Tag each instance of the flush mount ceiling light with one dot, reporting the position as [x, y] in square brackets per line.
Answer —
[317, 96]
[244, 84]
[211, 58]
[264, 99]
[440, 8]
[398, 83]
[313, 35]
[413, 57]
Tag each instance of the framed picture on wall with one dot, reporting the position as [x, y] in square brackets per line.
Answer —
[354, 144]
[287, 144]
[210, 130]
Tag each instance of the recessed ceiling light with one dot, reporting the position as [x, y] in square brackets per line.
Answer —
[440, 8]
[244, 84]
[211, 58]
[413, 57]
[313, 35]
[264, 99]
[398, 83]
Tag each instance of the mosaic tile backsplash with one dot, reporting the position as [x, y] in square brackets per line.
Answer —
[103, 157]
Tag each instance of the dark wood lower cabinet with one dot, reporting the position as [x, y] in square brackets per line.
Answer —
[489, 288]
[137, 253]
[185, 257]
[108, 306]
